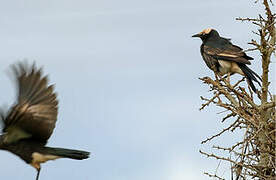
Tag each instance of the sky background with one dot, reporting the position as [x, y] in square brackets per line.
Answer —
[126, 74]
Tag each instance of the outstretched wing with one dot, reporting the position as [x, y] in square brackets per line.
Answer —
[35, 113]
[227, 53]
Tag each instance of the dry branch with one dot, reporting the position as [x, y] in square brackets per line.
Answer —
[254, 156]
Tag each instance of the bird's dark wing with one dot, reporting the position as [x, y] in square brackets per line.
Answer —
[35, 113]
[227, 53]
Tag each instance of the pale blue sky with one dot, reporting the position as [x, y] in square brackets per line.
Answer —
[126, 74]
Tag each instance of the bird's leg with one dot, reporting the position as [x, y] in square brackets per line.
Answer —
[228, 77]
[38, 172]
[216, 76]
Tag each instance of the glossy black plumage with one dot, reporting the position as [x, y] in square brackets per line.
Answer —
[30, 122]
[221, 56]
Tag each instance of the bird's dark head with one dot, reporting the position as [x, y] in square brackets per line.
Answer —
[207, 34]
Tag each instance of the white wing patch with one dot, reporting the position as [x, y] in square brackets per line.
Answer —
[228, 55]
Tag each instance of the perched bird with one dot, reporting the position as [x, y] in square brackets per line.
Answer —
[221, 56]
[30, 122]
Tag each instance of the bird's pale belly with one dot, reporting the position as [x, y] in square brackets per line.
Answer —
[229, 67]
[41, 158]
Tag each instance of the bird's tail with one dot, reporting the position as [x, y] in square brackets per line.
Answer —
[250, 76]
[68, 153]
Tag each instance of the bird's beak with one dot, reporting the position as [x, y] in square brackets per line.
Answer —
[196, 35]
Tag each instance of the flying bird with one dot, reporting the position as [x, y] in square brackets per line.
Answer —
[221, 56]
[29, 123]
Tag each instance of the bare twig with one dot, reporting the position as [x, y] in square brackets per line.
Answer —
[254, 155]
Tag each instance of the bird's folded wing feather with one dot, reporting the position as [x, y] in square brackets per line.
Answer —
[35, 113]
[230, 53]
